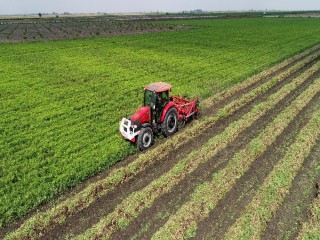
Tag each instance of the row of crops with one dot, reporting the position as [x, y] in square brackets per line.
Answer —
[61, 101]
[205, 196]
[184, 222]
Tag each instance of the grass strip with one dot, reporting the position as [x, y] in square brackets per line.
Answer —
[311, 228]
[134, 204]
[272, 192]
[184, 223]
[254, 79]
[57, 215]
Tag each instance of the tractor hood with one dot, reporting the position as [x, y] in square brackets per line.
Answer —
[141, 116]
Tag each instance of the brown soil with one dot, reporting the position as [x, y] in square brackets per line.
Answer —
[230, 208]
[75, 28]
[163, 207]
[263, 80]
[155, 216]
[294, 211]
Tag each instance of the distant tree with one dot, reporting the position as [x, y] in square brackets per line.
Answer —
[40, 14]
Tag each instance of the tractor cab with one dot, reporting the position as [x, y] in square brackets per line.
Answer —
[156, 96]
[153, 99]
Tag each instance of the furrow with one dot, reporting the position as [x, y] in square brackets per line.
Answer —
[43, 221]
[206, 196]
[311, 228]
[256, 79]
[138, 201]
[275, 187]
[231, 95]
[294, 210]
[231, 206]
[219, 219]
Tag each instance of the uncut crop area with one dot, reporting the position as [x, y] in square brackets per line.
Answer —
[247, 168]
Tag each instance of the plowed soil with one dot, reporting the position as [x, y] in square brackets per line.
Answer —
[31, 30]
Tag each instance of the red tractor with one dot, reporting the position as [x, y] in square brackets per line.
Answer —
[160, 113]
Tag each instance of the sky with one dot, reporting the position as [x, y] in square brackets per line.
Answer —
[122, 6]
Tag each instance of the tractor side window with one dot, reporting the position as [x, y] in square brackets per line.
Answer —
[147, 98]
[165, 97]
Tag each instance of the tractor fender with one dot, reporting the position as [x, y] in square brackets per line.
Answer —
[165, 110]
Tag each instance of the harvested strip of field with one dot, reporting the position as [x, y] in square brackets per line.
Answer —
[140, 200]
[311, 228]
[151, 219]
[48, 30]
[230, 208]
[261, 79]
[82, 200]
[286, 223]
[275, 187]
[255, 79]
[205, 198]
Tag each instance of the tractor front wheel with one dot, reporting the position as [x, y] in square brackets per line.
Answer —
[170, 123]
[145, 138]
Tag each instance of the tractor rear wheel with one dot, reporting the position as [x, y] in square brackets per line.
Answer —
[145, 138]
[170, 123]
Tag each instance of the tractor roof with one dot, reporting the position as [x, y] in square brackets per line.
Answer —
[158, 87]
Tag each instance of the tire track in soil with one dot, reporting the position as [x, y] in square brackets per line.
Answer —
[230, 208]
[86, 218]
[294, 211]
[153, 218]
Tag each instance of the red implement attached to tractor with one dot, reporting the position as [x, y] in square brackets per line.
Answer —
[160, 114]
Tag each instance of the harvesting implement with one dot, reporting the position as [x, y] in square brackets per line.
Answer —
[160, 114]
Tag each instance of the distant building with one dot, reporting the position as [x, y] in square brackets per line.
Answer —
[197, 11]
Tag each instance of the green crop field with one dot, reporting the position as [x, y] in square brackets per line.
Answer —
[60, 101]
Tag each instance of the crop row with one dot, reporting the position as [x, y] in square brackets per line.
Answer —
[310, 229]
[276, 186]
[205, 197]
[56, 215]
[61, 101]
[132, 206]
[254, 79]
